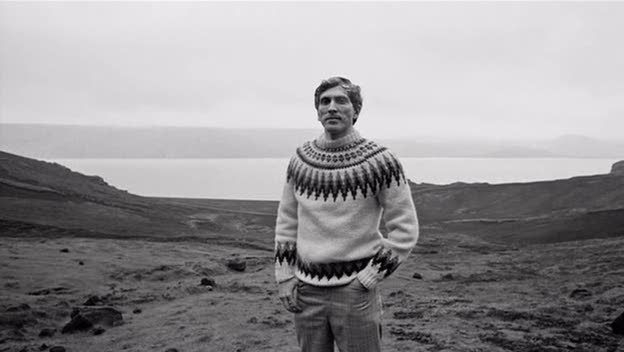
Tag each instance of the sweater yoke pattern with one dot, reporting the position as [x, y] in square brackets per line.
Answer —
[362, 167]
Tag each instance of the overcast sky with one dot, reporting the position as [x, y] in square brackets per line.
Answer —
[491, 70]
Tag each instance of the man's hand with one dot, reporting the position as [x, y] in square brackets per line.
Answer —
[288, 295]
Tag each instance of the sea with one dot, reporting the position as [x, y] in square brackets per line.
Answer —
[262, 179]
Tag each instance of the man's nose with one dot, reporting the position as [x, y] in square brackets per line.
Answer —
[332, 106]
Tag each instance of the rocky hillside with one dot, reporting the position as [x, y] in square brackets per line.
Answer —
[42, 198]
[549, 211]
[46, 197]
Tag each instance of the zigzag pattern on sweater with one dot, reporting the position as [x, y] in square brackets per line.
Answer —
[286, 252]
[329, 270]
[386, 260]
[362, 166]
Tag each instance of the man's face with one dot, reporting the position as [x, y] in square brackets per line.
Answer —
[336, 112]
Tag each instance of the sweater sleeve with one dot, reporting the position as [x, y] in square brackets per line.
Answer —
[401, 221]
[286, 234]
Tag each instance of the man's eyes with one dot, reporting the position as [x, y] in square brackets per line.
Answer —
[339, 100]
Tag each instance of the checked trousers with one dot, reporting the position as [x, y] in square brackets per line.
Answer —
[349, 316]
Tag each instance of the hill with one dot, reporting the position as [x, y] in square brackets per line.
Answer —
[67, 141]
[41, 194]
[536, 212]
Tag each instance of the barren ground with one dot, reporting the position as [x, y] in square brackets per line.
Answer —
[473, 296]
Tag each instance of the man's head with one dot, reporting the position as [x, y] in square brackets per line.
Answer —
[338, 103]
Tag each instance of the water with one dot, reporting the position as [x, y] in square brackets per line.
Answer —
[263, 178]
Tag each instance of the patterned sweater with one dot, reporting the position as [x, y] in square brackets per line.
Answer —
[327, 230]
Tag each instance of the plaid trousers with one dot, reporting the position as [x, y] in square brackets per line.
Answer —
[349, 316]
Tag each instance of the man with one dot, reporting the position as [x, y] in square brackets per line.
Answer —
[329, 253]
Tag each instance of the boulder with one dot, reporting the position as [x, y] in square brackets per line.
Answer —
[78, 323]
[85, 318]
[237, 264]
[47, 332]
[57, 349]
[618, 325]
[618, 168]
[580, 293]
[417, 276]
[93, 301]
[208, 282]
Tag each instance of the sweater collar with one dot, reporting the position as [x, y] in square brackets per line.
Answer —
[325, 143]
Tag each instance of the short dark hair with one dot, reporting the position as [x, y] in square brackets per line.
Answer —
[352, 90]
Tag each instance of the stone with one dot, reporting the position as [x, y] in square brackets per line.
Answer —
[47, 332]
[18, 308]
[448, 277]
[78, 323]
[417, 276]
[171, 350]
[43, 347]
[137, 311]
[237, 264]
[64, 250]
[580, 293]
[57, 349]
[81, 263]
[618, 325]
[84, 318]
[98, 331]
[618, 168]
[93, 301]
[208, 282]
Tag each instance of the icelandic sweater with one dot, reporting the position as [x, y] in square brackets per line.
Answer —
[335, 194]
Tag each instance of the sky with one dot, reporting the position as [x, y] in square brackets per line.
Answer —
[491, 70]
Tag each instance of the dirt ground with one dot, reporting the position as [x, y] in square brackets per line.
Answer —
[472, 296]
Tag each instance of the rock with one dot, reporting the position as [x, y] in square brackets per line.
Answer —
[65, 250]
[208, 282]
[57, 349]
[47, 332]
[448, 277]
[18, 308]
[417, 276]
[618, 325]
[81, 263]
[98, 331]
[43, 347]
[237, 264]
[171, 350]
[93, 301]
[580, 293]
[408, 315]
[78, 323]
[252, 320]
[137, 311]
[618, 168]
[85, 318]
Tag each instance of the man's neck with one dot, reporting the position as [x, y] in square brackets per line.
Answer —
[333, 137]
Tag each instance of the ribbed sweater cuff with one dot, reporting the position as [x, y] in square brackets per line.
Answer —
[370, 276]
[284, 272]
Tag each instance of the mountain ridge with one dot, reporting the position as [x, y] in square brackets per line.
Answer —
[48, 194]
[69, 141]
